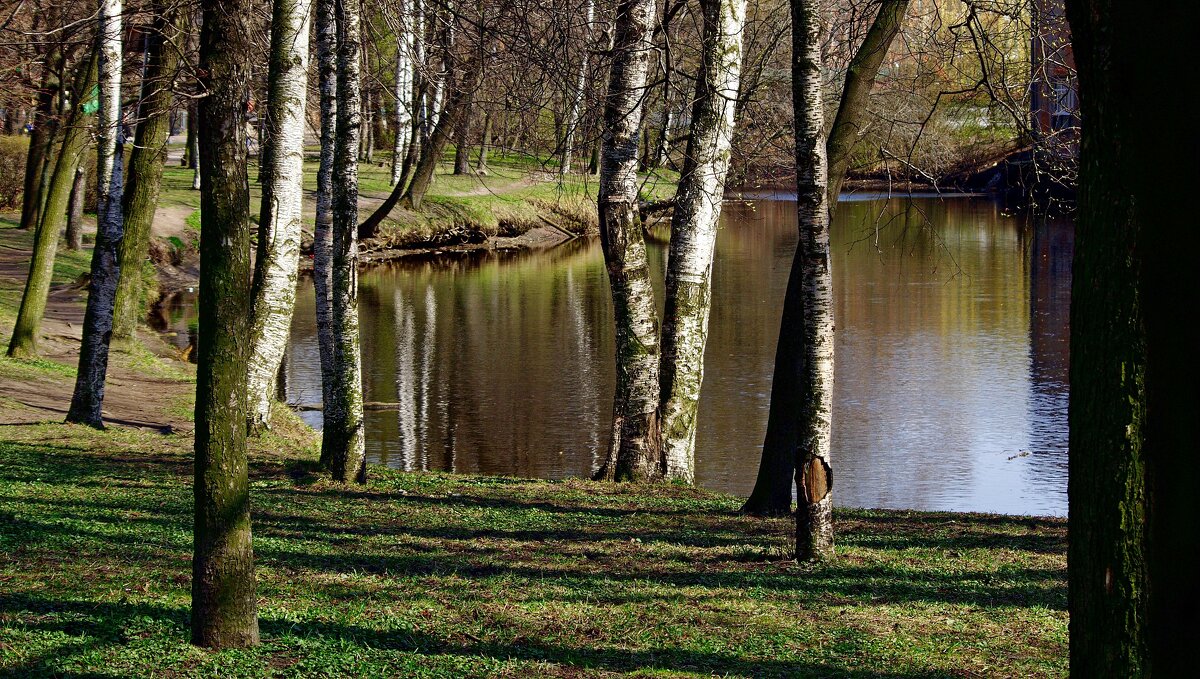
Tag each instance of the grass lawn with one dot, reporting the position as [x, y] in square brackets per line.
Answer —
[441, 575]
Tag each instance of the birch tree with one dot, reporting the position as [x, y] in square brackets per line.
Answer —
[278, 255]
[634, 450]
[403, 87]
[343, 432]
[772, 494]
[694, 232]
[88, 397]
[327, 42]
[224, 604]
[146, 164]
[27, 329]
[573, 114]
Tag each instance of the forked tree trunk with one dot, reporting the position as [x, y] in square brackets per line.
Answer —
[146, 165]
[343, 432]
[278, 255]
[772, 494]
[326, 35]
[806, 333]
[403, 89]
[634, 450]
[694, 232]
[88, 397]
[572, 123]
[224, 605]
[27, 329]
[431, 154]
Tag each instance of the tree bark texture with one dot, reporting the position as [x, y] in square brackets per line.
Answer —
[571, 125]
[327, 41]
[224, 604]
[343, 430]
[403, 88]
[75, 209]
[1134, 548]
[27, 329]
[694, 233]
[634, 453]
[772, 494]
[43, 135]
[88, 397]
[278, 257]
[146, 164]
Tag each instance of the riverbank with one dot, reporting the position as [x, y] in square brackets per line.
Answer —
[431, 574]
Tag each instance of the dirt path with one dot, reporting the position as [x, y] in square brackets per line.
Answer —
[138, 391]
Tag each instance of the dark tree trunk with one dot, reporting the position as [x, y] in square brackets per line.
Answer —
[42, 137]
[146, 165]
[462, 130]
[484, 143]
[1134, 542]
[431, 154]
[75, 210]
[224, 605]
[326, 47]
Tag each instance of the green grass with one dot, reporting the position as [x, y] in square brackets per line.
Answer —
[427, 574]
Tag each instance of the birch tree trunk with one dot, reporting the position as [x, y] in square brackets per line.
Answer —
[772, 494]
[88, 398]
[224, 605]
[694, 232]
[343, 427]
[806, 334]
[278, 256]
[146, 165]
[27, 329]
[403, 89]
[326, 34]
[634, 453]
[573, 115]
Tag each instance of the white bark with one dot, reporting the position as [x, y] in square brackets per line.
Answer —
[581, 84]
[814, 470]
[343, 429]
[326, 35]
[279, 234]
[108, 117]
[635, 450]
[694, 232]
[403, 88]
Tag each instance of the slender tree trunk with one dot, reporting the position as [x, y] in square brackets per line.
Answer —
[146, 165]
[43, 133]
[462, 128]
[403, 91]
[366, 136]
[1134, 548]
[327, 42]
[573, 115]
[88, 399]
[431, 154]
[634, 453]
[694, 232]
[806, 334]
[274, 288]
[481, 166]
[343, 431]
[772, 494]
[27, 329]
[224, 604]
[75, 209]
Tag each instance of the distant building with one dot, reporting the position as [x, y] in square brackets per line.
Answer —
[1054, 95]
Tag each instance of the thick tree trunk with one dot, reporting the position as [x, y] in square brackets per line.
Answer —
[75, 209]
[343, 431]
[403, 89]
[146, 165]
[224, 605]
[772, 494]
[88, 398]
[462, 129]
[278, 257]
[1134, 548]
[806, 333]
[634, 453]
[694, 232]
[576, 109]
[326, 35]
[27, 329]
